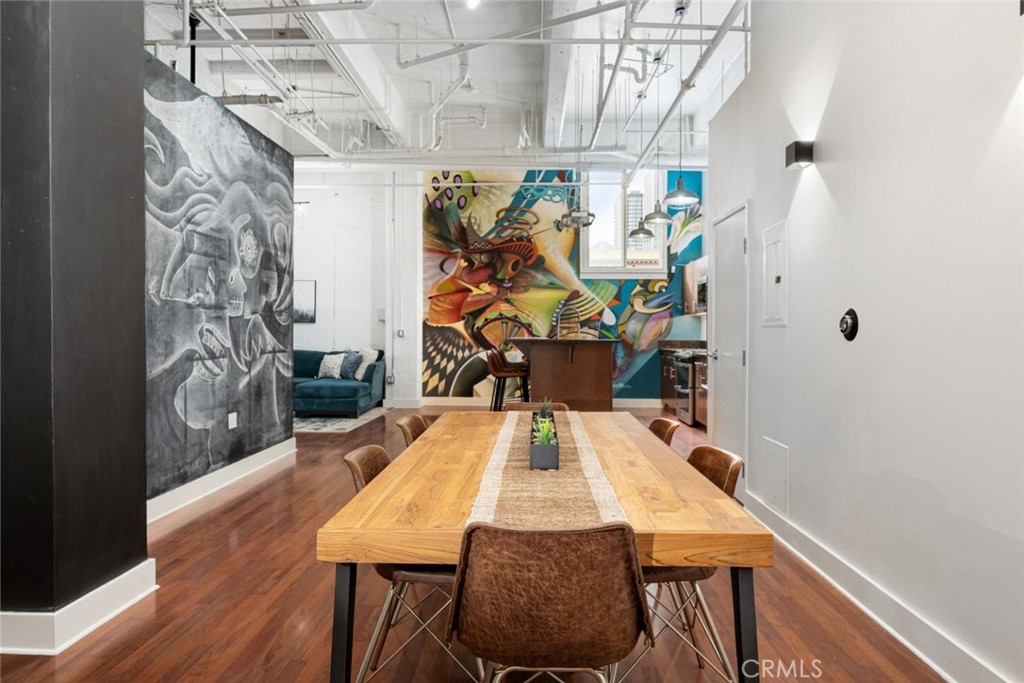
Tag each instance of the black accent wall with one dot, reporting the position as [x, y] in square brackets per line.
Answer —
[72, 324]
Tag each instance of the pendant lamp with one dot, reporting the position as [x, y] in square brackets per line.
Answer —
[680, 198]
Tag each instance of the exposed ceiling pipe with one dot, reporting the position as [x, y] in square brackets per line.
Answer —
[263, 100]
[521, 32]
[524, 135]
[186, 31]
[687, 84]
[687, 27]
[639, 75]
[435, 109]
[602, 107]
[299, 9]
[265, 71]
[480, 121]
[470, 43]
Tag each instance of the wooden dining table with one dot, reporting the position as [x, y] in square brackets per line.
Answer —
[415, 512]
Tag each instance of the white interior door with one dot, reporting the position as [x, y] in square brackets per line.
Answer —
[727, 342]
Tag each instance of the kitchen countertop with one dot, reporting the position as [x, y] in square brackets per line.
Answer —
[678, 344]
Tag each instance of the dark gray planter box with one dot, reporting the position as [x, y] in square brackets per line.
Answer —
[543, 456]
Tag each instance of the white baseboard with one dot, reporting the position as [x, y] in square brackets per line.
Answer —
[636, 403]
[951, 659]
[403, 403]
[50, 633]
[178, 498]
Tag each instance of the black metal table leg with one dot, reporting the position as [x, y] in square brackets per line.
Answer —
[745, 618]
[344, 614]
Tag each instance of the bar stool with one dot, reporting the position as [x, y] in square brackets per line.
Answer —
[502, 371]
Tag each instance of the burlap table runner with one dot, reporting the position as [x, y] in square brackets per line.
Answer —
[577, 494]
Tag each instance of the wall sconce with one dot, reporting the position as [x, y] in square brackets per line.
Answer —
[799, 154]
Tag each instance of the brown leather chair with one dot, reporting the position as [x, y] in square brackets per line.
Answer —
[688, 607]
[535, 407]
[412, 426]
[502, 370]
[549, 600]
[664, 429]
[366, 463]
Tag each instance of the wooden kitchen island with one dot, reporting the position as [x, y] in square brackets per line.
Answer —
[573, 371]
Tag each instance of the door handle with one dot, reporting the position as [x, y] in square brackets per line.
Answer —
[713, 354]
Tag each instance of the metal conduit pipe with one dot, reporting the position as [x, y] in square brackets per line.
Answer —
[299, 9]
[521, 32]
[435, 109]
[687, 84]
[602, 107]
[186, 12]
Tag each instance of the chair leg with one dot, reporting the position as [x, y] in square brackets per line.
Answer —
[500, 400]
[377, 639]
[716, 641]
[394, 609]
[524, 387]
[676, 589]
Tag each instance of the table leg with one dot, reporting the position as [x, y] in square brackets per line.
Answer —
[745, 618]
[344, 617]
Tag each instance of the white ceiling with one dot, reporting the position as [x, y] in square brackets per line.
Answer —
[550, 90]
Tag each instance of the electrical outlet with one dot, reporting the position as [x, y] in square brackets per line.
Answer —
[390, 379]
[232, 420]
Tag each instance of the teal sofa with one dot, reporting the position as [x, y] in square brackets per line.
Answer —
[326, 396]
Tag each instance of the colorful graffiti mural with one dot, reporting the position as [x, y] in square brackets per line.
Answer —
[496, 268]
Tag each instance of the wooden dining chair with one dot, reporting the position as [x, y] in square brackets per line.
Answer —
[367, 463]
[535, 407]
[549, 600]
[688, 608]
[412, 427]
[664, 429]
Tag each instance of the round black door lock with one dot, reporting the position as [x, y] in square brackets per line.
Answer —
[848, 324]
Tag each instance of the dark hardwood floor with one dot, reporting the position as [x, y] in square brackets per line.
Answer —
[242, 597]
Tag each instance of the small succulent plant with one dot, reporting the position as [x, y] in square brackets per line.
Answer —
[545, 409]
[544, 431]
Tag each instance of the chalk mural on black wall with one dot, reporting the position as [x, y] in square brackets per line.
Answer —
[218, 284]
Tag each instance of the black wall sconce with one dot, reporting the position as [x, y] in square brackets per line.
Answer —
[799, 154]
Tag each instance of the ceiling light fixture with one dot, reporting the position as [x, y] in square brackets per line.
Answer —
[472, 4]
[657, 218]
[641, 230]
[799, 154]
[680, 198]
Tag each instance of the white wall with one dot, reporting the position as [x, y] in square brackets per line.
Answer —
[339, 242]
[906, 469]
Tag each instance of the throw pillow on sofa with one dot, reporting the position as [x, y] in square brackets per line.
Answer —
[331, 365]
[350, 365]
[368, 356]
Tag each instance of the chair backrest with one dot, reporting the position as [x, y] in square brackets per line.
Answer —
[549, 598]
[722, 468]
[412, 426]
[664, 428]
[366, 463]
[535, 407]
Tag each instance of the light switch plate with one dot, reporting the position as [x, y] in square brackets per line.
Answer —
[232, 420]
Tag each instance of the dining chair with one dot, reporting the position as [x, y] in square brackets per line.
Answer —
[664, 429]
[412, 427]
[535, 407]
[689, 607]
[549, 600]
[502, 370]
[366, 463]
